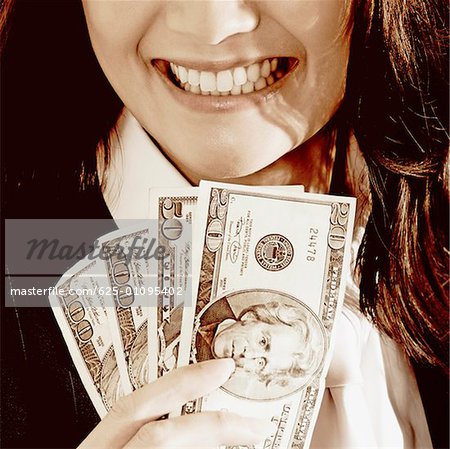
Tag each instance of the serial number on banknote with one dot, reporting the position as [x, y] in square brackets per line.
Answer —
[312, 251]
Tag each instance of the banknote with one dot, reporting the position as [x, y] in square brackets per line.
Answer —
[169, 205]
[79, 308]
[268, 286]
[173, 209]
[130, 259]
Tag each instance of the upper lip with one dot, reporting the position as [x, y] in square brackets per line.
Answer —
[219, 65]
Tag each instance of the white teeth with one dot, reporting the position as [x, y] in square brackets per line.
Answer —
[237, 81]
[239, 76]
[224, 81]
[236, 90]
[273, 64]
[207, 81]
[260, 84]
[182, 74]
[254, 72]
[248, 87]
[265, 69]
[193, 77]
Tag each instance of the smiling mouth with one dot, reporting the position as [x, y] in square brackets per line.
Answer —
[239, 80]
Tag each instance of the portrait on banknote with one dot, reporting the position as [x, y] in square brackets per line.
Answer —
[276, 341]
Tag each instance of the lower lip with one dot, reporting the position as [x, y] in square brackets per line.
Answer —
[229, 103]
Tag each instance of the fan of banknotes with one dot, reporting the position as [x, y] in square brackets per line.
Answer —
[253, 273]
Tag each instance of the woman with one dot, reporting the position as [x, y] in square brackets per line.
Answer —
[353, 76]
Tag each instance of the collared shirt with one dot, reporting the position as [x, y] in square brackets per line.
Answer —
[137, 165]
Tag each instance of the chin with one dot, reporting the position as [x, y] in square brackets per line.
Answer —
[233, 166]
[231, 152]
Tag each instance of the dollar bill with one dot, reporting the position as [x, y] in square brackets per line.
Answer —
[173, 209]
[79, 307]
[168, 205]
[131, 261]
[268, 288]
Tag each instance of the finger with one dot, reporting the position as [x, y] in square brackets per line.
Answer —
[206, 430]
[150, 402]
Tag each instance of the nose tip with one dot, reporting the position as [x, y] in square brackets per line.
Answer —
[212, 21]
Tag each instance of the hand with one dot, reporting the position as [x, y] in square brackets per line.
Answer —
[133, 421]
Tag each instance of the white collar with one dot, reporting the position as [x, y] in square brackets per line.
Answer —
[137, 165]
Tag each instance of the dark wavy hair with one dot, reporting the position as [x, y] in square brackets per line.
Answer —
[397, 106]
[58, 105]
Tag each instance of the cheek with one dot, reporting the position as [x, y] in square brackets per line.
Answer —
[116, 29]
[323, 32]
[320, 94]
[118, 24]
[325, 83]
[313, 23]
